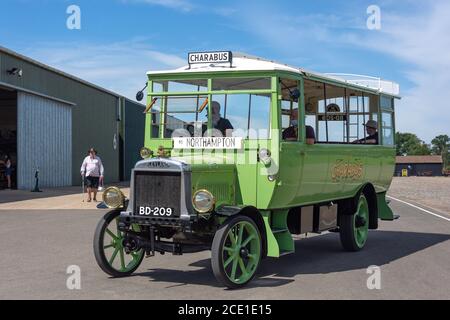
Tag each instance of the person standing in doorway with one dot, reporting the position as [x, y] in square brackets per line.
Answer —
[92, 171]
[8, 171]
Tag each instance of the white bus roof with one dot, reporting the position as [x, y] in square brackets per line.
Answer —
[245, 62]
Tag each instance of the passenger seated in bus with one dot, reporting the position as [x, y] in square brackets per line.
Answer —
[219, 123]
[372, 131]
[291, 133]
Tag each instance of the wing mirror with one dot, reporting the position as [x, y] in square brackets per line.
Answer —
[140, 94]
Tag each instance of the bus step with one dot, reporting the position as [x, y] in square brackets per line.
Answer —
[279, 230]
[285, 252]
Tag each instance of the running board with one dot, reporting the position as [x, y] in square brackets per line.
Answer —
[279, 230]
[285, 252]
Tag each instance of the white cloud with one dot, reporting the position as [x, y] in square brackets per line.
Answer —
[421, 40]
[188, 6]
[120, 67]
[418, 36]
[182, 5]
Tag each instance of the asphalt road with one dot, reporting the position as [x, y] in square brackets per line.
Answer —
[413, 254]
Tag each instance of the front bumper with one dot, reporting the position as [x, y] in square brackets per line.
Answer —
[127, 218]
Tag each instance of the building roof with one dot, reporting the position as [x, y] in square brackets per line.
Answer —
[245, 62]
[54, 70]
[419, 159]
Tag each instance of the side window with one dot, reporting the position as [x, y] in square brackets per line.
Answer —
[333, 114]
[341, 115]
[387, 120]
[290, 96]
[387, 127]
[363, 108]
[314, 93]
[156, 112]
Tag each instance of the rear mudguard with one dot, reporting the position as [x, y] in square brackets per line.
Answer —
[384, 211]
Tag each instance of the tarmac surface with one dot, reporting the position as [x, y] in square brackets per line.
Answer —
[413, 254]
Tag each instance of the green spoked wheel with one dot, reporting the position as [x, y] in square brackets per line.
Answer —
[109, 250]
[236, 252]
[354, 229]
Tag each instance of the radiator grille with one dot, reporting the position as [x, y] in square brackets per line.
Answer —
[157, 189]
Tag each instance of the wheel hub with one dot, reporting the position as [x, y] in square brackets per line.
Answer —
[360, 221]
[243, 252]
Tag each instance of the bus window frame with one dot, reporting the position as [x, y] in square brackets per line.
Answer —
[300, 105]
[365, 93]
[391, 111]
[271, 92]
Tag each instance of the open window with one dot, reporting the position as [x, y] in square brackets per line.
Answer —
[338, 114]
[290, 96]
[387, 121]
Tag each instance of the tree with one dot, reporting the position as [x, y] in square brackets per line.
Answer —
[408, 144]
[441, 146]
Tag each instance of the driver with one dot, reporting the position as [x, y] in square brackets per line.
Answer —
[219, 123]
[291, 133]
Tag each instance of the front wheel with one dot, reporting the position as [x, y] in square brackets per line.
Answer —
[109, 250]
[354, 228]
[236, 252]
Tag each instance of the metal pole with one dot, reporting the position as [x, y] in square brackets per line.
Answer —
[82, 185]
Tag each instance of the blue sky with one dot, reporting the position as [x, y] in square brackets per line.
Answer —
[120, 40]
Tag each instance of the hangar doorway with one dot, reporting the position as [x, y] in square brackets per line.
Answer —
[8, 135]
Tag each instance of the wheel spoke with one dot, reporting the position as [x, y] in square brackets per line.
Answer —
[243, 268]
[228, 249]
[231, 258]
[252, 256]
[111, 234]
[234, 268]
[232, 237]
[111, 260]
[122, 259]
[119, 234]
[108, 246]
[247, 241]
[241, 233]
[135, 255]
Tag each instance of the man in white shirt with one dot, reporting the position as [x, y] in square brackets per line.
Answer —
[92, 170]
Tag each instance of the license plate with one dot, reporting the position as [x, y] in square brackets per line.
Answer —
[162, 212]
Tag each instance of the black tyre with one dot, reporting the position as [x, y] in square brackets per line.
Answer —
[236, 252]
[108, 247]
[354, 228]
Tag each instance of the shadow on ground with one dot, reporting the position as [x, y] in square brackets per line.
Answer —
[317, 255]
[7, 196]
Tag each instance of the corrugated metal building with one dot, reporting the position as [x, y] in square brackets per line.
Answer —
[50, 119]
[419, 166]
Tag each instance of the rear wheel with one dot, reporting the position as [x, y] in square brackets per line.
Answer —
[236, 252]
[354, 229]
[109, 250]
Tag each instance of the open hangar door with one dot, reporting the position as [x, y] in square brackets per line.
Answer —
[132, 136]
[8, 134]
[44, 141]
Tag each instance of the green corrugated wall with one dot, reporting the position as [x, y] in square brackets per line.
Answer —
[94, 118]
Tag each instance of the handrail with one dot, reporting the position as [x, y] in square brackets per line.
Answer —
[376, 83]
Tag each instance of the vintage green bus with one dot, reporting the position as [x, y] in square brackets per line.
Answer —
[242, 153]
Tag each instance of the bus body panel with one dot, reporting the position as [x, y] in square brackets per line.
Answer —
[306, 174]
